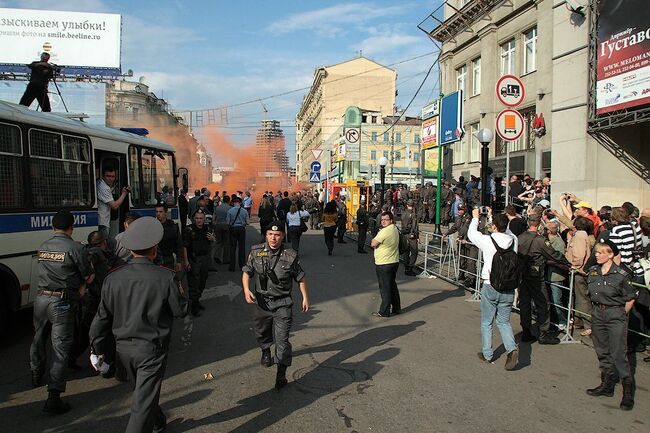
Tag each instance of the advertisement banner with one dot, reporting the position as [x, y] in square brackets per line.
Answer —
[431, 110]
[430, 133]
[451, 118]
[431, 162]
[79, 42]
[623, 51]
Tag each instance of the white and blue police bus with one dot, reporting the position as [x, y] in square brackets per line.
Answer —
[49, 162]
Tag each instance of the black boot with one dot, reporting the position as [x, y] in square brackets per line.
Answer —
[546, 338]
[281, 377]
[627, 403]
[267, 359]
[194, 309]
[606, 387]
[54, 405]
[527, 336]
[409, 272]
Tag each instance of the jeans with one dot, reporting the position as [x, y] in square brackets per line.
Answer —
[496, 305]
[558, 303]
[388, 290]
[60, 313]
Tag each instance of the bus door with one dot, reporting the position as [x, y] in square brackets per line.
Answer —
[118, 161]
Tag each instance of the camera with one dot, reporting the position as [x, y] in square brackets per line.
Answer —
[484, 210]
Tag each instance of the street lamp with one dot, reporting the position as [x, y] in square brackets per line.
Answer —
[484, 136]
[382, 178]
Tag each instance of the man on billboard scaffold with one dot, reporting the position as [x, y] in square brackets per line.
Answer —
[41, 74]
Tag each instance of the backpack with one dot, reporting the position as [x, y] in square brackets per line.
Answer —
[506, 269]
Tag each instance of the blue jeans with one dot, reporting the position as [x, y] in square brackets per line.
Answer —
[499, 305]
[558, 302]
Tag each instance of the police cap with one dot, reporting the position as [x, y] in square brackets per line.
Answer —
[611, 244]
[63, 220]
[276, 226]
[143, 233]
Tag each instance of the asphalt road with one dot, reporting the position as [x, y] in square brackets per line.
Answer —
[416, 372]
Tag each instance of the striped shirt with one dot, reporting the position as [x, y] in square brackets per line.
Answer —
[623, 236]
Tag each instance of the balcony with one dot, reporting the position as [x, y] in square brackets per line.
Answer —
[460, 21]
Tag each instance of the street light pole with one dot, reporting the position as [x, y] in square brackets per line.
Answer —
[484, 136]
[382, 178]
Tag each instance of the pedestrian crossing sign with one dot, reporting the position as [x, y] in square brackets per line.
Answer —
[314, 177]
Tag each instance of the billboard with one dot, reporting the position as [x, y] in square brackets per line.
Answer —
[451, 118]
[623, 52]
[80, 42]
[430, 133]
[79, 97]
[431, 162]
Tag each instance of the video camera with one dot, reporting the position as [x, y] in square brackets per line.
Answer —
[484, 210]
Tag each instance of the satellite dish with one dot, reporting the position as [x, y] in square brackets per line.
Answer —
[141, 79]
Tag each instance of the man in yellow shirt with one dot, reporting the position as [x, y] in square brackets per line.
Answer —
[386, 246]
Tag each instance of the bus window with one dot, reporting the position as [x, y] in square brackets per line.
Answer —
[134, 175]
[157, 177]
[60, 170]
[11, 168]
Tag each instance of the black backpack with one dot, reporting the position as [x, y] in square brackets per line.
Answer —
[506, 271]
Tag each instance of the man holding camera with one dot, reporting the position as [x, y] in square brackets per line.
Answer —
[41, 74]
[274, 268]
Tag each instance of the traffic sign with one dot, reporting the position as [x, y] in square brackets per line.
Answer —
[510, 125]
[451, 118]
[317, 153]
[352, 135]
[510, 90]
[314, 177]
[315, 166]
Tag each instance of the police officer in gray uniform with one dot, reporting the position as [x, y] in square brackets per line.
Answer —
[274, 268]
[535, 251]
[411, 230]
[138, 304]
[63, 271]
[612, 297]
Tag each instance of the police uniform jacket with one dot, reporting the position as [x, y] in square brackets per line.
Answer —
[171, 242]
[612, 289]
[274, 271]
[63, 264]
[410, 224]
[362, 216]
[537, 250]
[140, 301]
[196, 241]
[460, 226]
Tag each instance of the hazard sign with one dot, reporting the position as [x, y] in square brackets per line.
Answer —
[510, 125]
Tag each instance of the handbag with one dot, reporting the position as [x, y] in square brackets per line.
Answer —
[303, 226]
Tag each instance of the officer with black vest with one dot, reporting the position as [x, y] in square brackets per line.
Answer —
[535, 250]
[138, 305]
[63, 271]
[170, 248]
[411, 230]
[274, 268]
[197, 242]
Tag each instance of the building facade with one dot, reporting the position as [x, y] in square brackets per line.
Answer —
[547, 45]
[359, 82]
[270, 149]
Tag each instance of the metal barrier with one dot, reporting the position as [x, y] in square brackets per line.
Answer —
[439, 258]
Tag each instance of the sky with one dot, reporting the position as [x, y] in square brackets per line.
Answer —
[205, 54]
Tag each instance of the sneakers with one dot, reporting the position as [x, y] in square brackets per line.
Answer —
[377, 314]
[482, 358]
[55, 406]
[512, 360]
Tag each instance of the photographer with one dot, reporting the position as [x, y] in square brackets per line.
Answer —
[41, 74]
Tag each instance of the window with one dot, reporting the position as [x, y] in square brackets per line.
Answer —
[416, 139]
[373, 136]
[530, 50]
[11, 168]
[60, 170]
[364, 119]
[461, 78]
[134, 174]
[373, 155]
[386, 154]
[527, 139]
[398, 137]
[475, 145]
[385, 137]
[416, 157]
[157, 175]
[459, 150]
[398, 155]
[476, 76]
[373, 119]
[508, 57]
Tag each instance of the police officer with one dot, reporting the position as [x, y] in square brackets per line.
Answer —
[536, 251]
[170, 248]
[274, 268]
[612, 297]
[341, 224]
[446, 198]
[468, 252]
[63, 271]
[362, 225]
[102, 260]
[138, 304]
[411, 230]
[197, 243]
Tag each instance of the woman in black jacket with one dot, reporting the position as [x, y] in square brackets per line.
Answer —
[266, 213]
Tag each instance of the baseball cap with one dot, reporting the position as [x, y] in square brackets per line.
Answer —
[544, 203]
[584, 204]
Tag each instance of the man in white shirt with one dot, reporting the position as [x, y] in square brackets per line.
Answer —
[495, 305]
[105, 199]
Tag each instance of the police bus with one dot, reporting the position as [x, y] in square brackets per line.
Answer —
[49, 162]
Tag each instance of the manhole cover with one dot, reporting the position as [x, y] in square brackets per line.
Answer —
[324, 379]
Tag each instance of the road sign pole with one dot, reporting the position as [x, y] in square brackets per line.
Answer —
[439, 191]
[507, 144]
